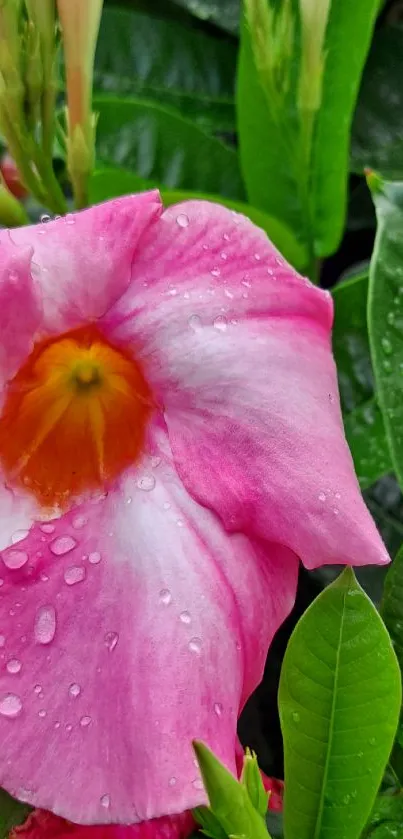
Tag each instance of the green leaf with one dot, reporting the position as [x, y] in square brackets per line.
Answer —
[295, 150]
[229, 800]
[161, 145]
[386, 821]
[224, 13]
[378, 123]
[363, 422]
[111, 182]
[12, 813]
[166, 62]
[385, 318]
[339, 701]
[392, 613]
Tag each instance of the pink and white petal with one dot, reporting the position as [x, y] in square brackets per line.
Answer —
[237, 347]
[20, 310]
[132, 626]
[82, 261]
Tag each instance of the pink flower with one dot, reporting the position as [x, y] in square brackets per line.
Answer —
[171, 444]
[43, 825]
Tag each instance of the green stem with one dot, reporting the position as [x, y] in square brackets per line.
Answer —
[55, 199]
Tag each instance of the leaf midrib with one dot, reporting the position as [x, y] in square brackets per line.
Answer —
[318, 824]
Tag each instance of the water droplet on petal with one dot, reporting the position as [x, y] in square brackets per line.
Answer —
[74, 690]
[195, 645]
[42, 713]
[182, 220]
[185, 617]
[218, 709]
[195, 323]
[38, 689]
[111, 639]
[85, 722]
[1, 582]
[94, 558]
[220, 323]
[15, 559]
[146, 483]
[62, 545]
[75, 574]
[79, 522]
[2, 640]
[45, 624]
[215, 272]
[13, 666]
[257, 257]
[198, 783]
[44, 218]
[10, 705]
[165, 596]
[223, 255]
[172, 781]
[105, 801]
[47, 528]
[155, 461]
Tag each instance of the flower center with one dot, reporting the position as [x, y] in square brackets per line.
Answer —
[74, 416]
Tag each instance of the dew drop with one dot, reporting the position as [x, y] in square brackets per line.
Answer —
[1, 582]
[69, 727]
[172, 781]
[110, 640]
[218, 709]
[386, 345]
[322, 496]
[198, 783]
[146, 483]
[215, 272]
[257, 257]
[15, 559]
[47, 528]
[74, 690]
[38, 689]
[155, 461]
[62, 545]
[295, 716]
[85, 722]
[390, 318]
[185, 617]
[13, 666]
[75, 574]
[220, 323]
[182, 220]
[42, 713]
[79, 522]
[105, 801]
[2, 640]
[10, 705]
[45, 624]
[94, 558]
[45, 218]
[223, 255]
[165, 596]
[195, 323]
[195, 645]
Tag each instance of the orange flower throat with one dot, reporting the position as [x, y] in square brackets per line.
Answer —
[74, 416]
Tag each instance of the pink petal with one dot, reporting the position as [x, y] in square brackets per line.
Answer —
[237, 346]
[20, 310]
[134, 626]
[43, 825]
[82, 261]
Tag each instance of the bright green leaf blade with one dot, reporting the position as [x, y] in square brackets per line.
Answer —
[348, 23]
[378, 122]
[392, 613]
[161, 145]
[267, 150]
[339, 700]
[12, 813]
[165, 62]
[111, 182]
[385, 315]
[363, 422]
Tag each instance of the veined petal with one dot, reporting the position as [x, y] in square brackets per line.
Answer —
[44, 825]
[82, 262]
[130, 627]
[237, 346]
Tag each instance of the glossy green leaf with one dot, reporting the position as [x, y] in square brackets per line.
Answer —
[12, 813]
[339, 701]
[385, 315]
[363, 422]
[160, 145]
[224, 13]
[392, 612]
[111, 182]
[166, 62]
[295, 156]
[378, 122]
